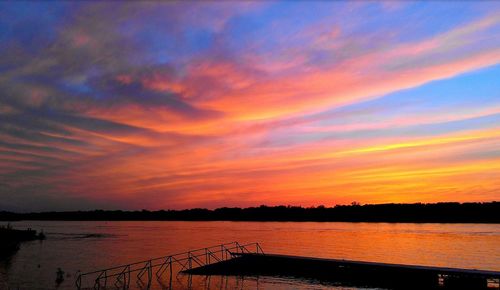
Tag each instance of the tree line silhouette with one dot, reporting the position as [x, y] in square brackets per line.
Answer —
[449, 212]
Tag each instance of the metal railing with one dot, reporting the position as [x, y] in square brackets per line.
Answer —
[180, 261]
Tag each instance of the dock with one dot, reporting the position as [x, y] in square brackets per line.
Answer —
[250, 260]
[353, 273]
[143, 272]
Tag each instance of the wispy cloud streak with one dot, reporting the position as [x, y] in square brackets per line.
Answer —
[174, 105]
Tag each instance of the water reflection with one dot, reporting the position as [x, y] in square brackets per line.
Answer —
[219, 282]
[86, 246]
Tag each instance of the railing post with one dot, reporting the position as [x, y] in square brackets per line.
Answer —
[170, 266]
[238, 247]
[150, 272]
[79, 282]
[128, 276]
[259, 248]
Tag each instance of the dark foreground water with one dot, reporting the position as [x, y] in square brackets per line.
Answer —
[87, 246]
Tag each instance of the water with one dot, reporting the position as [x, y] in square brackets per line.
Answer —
[94, 245]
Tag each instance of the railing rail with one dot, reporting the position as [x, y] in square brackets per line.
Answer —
[185, 260]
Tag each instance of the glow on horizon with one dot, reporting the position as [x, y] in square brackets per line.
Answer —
[206, 104]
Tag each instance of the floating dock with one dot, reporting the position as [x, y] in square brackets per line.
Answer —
[353, 273]
[250, 260]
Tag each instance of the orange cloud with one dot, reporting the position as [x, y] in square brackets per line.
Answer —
[95, 119]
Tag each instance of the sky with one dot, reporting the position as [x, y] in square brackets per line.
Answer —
[173, 105]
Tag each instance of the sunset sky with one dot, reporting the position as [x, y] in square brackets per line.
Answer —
[208, 104]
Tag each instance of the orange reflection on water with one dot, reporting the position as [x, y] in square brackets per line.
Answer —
[89, 246]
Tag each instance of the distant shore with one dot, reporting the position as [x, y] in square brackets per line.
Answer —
[449, 212]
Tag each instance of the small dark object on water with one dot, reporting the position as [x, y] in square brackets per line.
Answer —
[60, 276]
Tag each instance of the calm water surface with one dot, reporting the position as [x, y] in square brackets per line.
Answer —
[89, 246]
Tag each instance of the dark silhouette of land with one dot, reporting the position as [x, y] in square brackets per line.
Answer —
[449, 212]
[10, 239]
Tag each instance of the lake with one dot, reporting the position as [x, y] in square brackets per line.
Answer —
[88, 246]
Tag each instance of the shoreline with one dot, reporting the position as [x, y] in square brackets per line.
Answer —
[450, 212]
